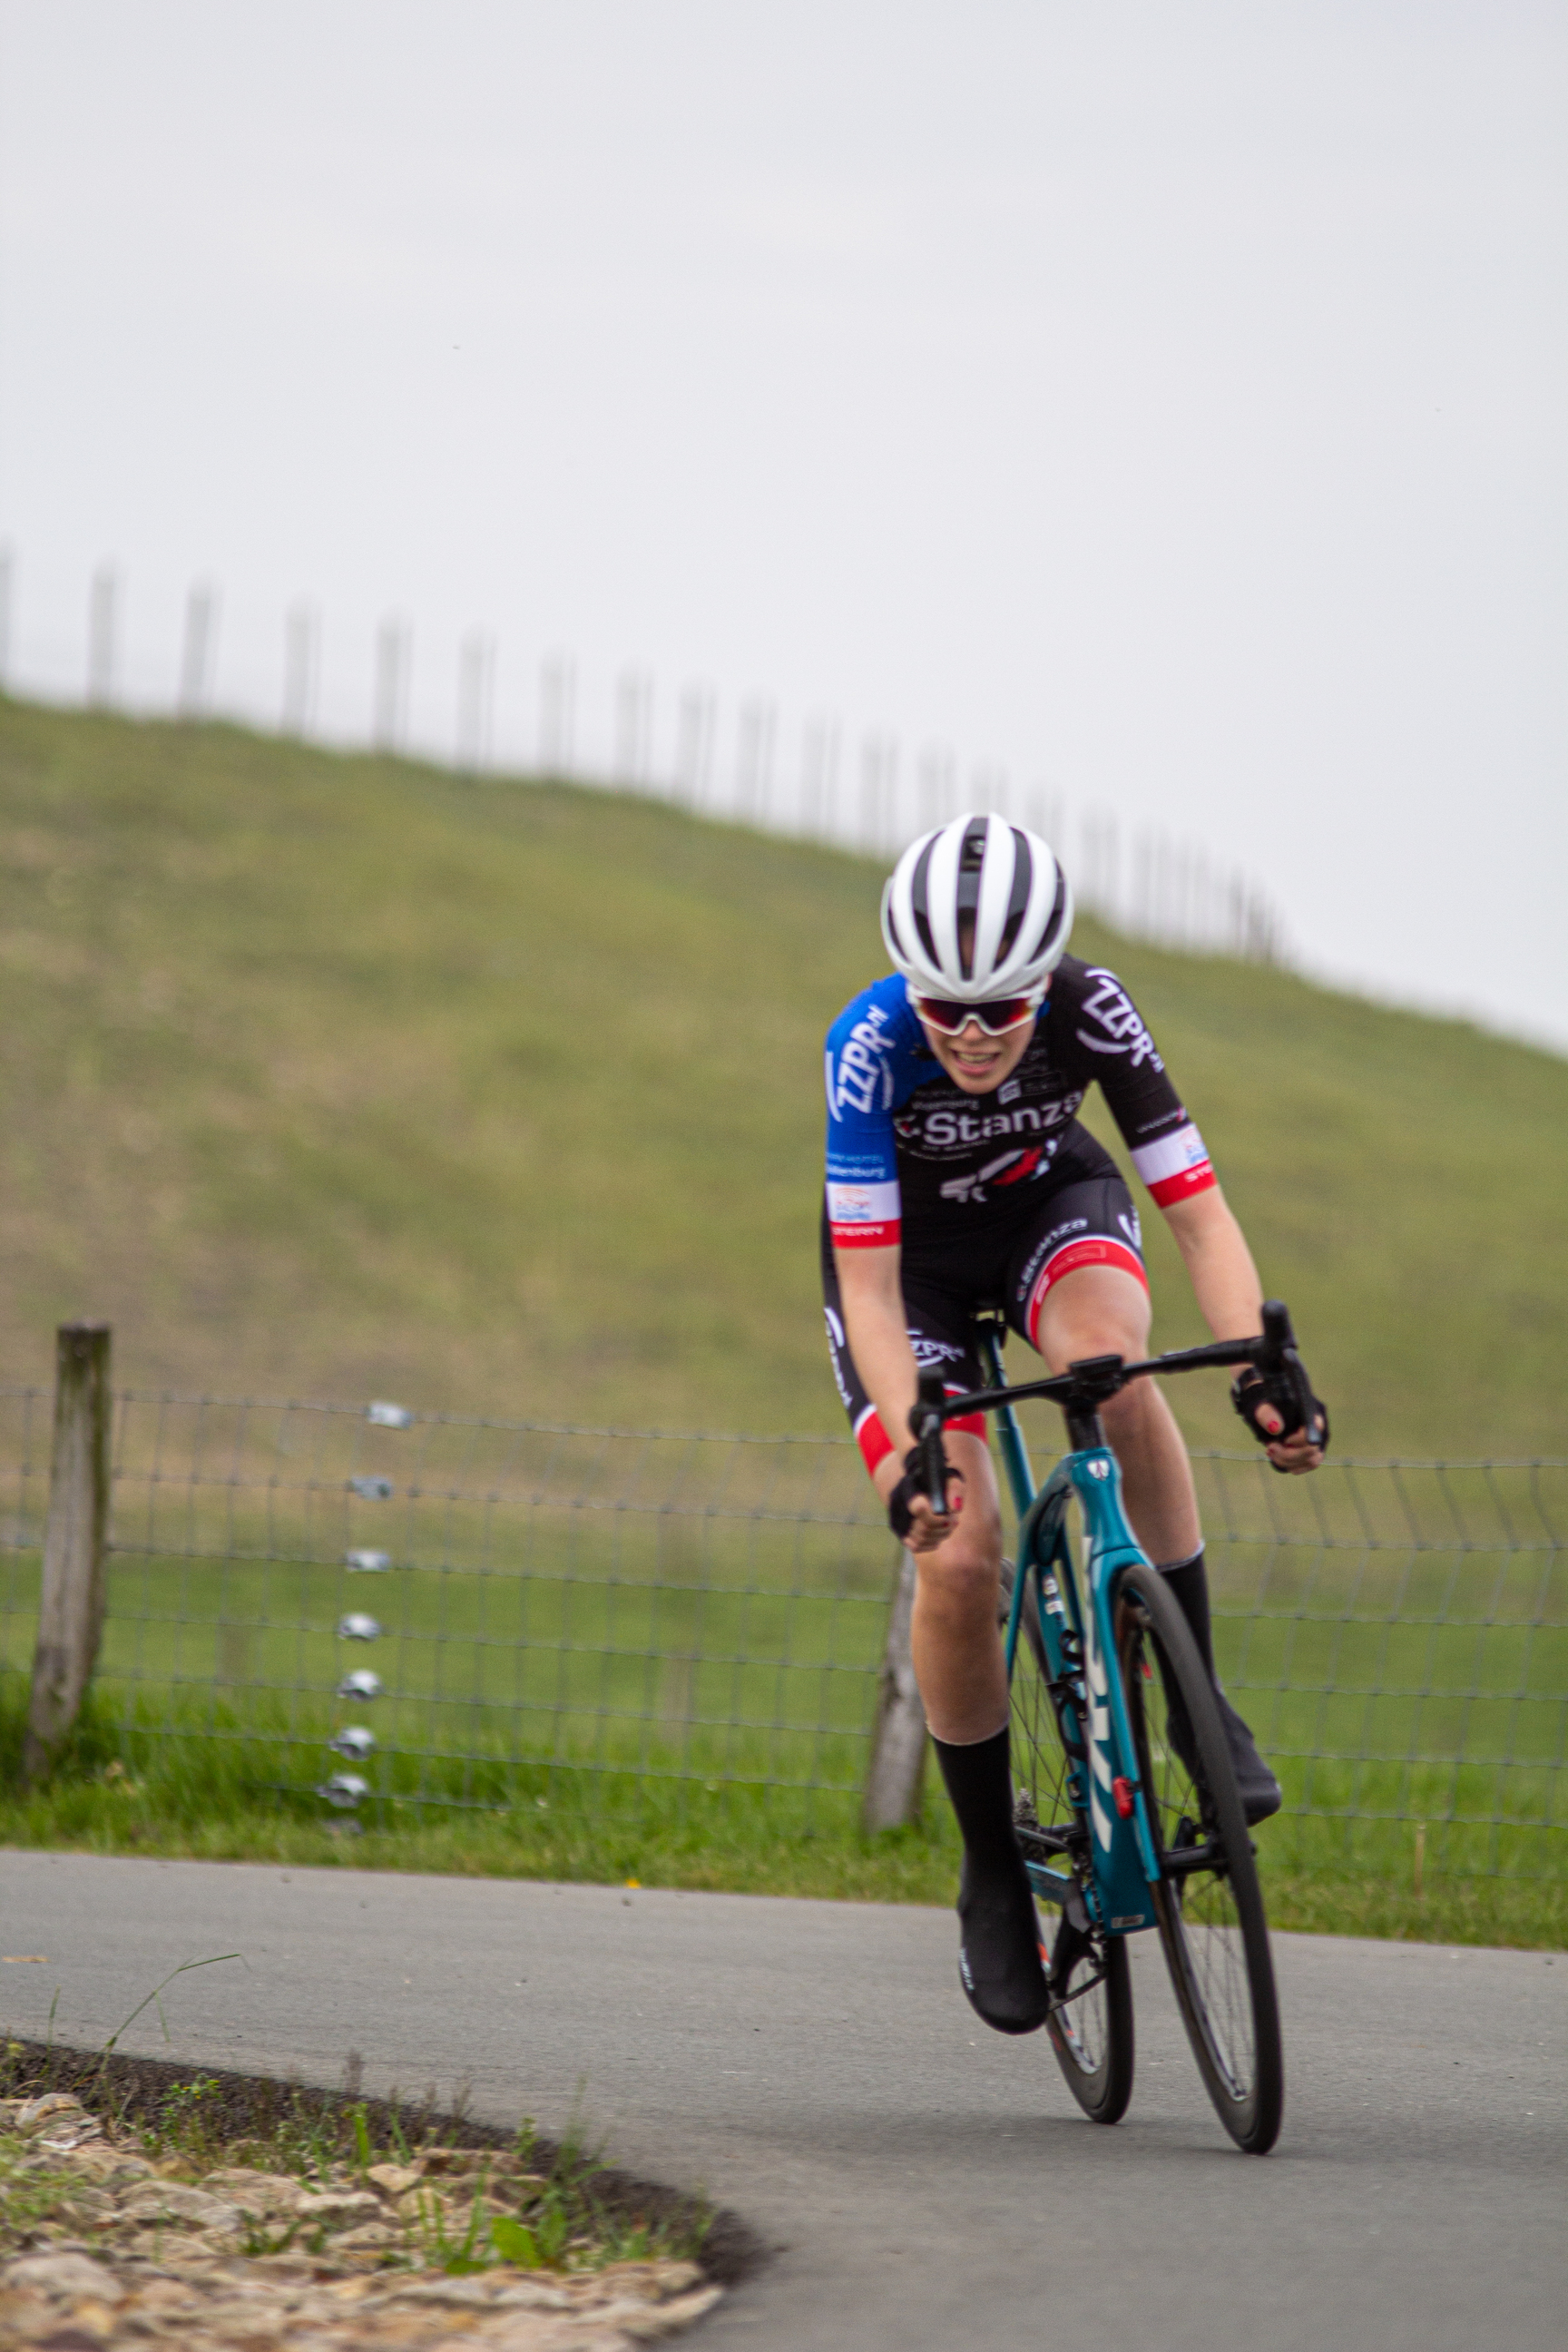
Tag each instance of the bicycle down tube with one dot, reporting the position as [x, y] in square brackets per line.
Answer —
[1107, 1795]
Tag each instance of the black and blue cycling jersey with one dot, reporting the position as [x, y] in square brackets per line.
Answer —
[908, 1149]
[993, 1197]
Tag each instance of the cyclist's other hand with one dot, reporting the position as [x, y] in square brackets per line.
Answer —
[1290, 1450]
[1295, 1454]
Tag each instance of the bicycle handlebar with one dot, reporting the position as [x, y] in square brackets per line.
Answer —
[1085, 1385]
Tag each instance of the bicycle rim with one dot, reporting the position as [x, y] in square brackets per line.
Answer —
[1210, 1914]
[1091, 2032]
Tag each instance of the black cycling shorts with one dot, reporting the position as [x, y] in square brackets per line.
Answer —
[1090, 1222]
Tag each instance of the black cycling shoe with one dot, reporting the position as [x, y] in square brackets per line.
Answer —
[1000, 1962]
[1259, 1791]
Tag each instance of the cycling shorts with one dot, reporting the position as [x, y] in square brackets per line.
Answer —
[1091, 1222]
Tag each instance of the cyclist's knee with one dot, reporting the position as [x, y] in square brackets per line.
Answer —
[970, 1561]
[1131, 1410]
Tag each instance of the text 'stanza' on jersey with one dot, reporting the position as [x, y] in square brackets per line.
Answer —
[904, 1142]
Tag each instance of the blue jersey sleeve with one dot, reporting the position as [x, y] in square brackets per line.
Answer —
[876, 1057]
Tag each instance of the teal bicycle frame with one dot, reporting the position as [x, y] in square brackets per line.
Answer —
[1079, 1647]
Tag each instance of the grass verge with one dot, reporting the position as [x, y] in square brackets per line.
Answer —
[733, 1851]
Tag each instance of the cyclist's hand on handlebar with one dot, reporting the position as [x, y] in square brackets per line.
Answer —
[1288, 1421]
[917, 1526]
[1295, 1454]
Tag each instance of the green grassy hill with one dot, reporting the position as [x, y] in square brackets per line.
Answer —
[341, 1077]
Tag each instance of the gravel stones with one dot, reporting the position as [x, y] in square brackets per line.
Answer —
[61, 2301]
[171, 2200]
[118, 2254]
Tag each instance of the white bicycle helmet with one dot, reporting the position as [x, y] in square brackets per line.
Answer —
[979, 909]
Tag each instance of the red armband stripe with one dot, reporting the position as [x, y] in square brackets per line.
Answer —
[1184, 1184]
[883, 1236]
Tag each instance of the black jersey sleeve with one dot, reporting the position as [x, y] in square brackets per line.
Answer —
[1103, 1035]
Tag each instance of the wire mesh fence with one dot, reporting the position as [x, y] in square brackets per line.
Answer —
[384, 1611]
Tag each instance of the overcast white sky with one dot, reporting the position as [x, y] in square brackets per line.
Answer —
[1165, 402]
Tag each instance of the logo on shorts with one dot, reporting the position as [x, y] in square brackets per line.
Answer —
[929, 1352]
[1128, 1221]
[838, 1346]
[1053, 1241]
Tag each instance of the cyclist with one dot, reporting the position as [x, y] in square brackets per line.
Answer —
[958, 1175]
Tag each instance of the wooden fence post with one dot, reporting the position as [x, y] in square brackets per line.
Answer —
[70, 1608]
[898, 1739]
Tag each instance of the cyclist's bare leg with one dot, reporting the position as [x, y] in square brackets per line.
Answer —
[1099, 1310]
[963, 1679]
[956, 1645]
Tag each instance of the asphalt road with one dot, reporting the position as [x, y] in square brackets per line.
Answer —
[924, 2183]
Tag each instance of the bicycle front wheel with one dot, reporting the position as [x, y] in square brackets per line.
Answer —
[1090, 2029]
[1208, 1904]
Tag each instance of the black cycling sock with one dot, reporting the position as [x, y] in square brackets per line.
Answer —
[1188, 1584]
[999, 1952]
[979, 1780]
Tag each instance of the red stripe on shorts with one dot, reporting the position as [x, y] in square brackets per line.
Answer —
[876, 1445]
[1089, 1249]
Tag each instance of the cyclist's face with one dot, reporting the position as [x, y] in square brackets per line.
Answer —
[975, 1061]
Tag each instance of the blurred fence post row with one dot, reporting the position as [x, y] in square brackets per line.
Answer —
[687, 1628]
[1148, 883]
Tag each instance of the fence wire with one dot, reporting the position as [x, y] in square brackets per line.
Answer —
[386, 1612]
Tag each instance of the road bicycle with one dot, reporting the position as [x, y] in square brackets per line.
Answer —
[1127, 1811]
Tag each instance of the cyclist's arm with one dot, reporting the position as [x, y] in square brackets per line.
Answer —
[1218, 1262]
[1230, 1295]
[872, 1300]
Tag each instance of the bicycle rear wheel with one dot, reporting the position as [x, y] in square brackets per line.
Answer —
[1209, 1903]
[1092, 2029]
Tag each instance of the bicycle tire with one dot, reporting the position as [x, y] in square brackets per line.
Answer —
[1091, 2036]
[1210, 1919]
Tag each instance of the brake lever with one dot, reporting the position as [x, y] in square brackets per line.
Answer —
[1278, 1361]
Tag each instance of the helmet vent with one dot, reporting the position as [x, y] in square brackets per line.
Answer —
[971, 861]
[920, 905]
[1018, 897]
